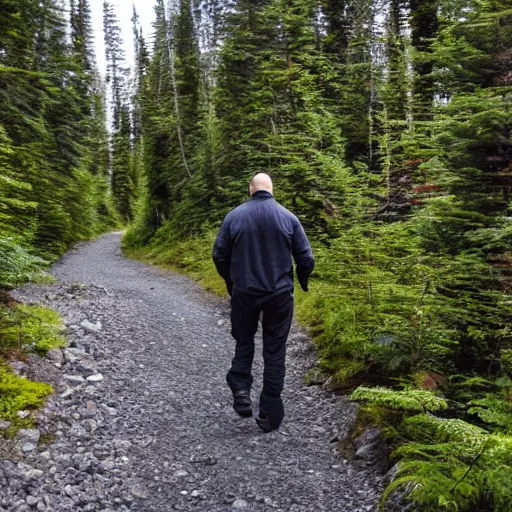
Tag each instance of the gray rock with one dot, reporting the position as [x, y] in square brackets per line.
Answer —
[28, 447]
[18, 367]
[74, 379]
[55, 356]
[70, 356]
[23, 414]
[85, 369]
[98, 377]
[29, 473]
[28, 435]
[372, 447]
[90, 410]
[4, 425]
[32, 500]
[90, 327]
[239, 504]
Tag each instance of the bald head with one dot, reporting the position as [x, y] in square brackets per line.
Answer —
[261, 181]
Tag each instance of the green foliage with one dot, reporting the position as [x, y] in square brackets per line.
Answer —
[52, 176]
[17, 265]
[414, 400]
[17, 393]
[443, 463]
[30, 327]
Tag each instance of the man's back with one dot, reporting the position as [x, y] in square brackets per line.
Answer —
[253, 253]
[255, 246]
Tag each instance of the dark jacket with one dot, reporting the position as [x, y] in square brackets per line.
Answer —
[254, 248]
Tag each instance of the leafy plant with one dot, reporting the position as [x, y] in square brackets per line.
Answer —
[17, 264]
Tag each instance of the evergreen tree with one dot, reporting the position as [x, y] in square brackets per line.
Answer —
[124, 179]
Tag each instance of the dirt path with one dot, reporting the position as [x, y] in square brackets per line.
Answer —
[158, 433]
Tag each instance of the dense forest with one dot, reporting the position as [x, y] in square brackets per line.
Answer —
[386, 126]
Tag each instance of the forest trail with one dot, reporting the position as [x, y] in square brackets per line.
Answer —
[164, 410]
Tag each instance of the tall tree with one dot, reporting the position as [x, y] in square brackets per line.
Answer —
[122, 172]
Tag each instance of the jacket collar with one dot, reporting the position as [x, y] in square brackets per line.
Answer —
[261, 194]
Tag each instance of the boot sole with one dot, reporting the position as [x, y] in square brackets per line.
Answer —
[243, 412]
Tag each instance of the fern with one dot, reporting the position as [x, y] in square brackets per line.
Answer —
[17, 265]
[415, 400]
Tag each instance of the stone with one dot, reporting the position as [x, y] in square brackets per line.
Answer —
[28, 447]
[70, 355]
[32, 500]
[181, 473]
[90, 410]
[74, 379]
[4, 425]
[98, 377]
[90, 327]
[67, 393]
[372, 447]
[18, 367]
[28, 435]
[85, 369]
[137, 492]
[30, 473]
[55, 356]
[239, 504]
[23, 414]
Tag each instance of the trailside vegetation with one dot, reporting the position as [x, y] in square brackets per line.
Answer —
[386, 127]
[55, 175]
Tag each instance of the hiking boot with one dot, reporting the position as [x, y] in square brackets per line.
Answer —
[264, 424]
[242, 403]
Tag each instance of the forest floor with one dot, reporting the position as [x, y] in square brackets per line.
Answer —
[142, 419]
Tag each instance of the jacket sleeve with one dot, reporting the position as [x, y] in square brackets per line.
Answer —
[222, 254]
[303, 255]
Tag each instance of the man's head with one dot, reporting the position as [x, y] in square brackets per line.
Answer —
[261, 181]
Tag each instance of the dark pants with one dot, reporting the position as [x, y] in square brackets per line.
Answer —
[277, 318]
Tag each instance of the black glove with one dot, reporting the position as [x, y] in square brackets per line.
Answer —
[303, 281]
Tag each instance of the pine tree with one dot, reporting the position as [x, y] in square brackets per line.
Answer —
[424, 25]
[122, 172]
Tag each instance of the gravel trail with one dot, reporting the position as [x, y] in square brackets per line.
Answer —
[142, 419]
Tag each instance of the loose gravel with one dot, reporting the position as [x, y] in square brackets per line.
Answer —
[142, 419]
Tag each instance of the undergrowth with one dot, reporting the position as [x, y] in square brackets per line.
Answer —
[455, 458]
[23, 328]
[19, 394]
[30, 328]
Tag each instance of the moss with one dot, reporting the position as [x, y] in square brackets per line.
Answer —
[19, 394]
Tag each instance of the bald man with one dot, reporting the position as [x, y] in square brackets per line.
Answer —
[253, 253]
